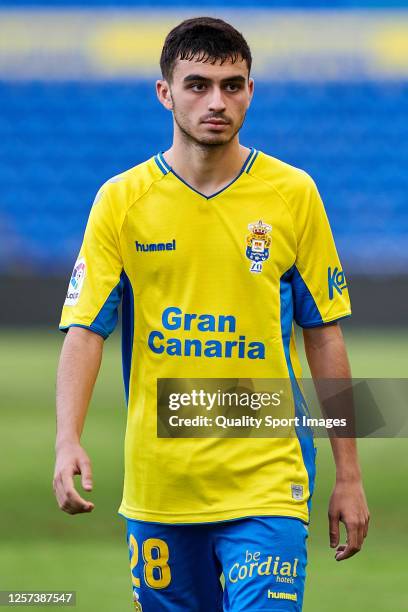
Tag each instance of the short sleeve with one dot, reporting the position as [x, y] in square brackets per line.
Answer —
[319, 287]
[95, 287]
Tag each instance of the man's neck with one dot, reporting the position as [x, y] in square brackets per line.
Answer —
[206, 169]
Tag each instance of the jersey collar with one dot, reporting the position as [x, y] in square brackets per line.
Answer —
[165, 168]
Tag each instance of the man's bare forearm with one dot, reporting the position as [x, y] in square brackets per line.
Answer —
[78, 369]
[327, 358]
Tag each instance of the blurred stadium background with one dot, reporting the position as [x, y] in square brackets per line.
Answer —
[77, 107]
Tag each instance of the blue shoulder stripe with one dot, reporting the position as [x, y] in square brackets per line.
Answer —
[251, 161]
[161, 163]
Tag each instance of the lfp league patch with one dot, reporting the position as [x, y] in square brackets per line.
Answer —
[76, 282]
[258, 244]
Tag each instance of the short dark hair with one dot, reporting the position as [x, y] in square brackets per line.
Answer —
[205, 38]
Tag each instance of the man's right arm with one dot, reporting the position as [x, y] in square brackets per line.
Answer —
[78, 369]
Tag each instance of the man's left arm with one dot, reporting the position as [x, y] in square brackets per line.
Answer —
[327, 358]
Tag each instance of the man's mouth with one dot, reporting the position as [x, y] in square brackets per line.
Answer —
[216, 124]
[216, 121]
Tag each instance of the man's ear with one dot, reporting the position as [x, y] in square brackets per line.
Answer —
[251, 86]
[164, 94]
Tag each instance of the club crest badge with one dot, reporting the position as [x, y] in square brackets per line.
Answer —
[258, 244]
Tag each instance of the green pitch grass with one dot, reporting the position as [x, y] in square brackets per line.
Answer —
[42, 548]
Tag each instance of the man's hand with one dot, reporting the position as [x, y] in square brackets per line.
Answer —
[348, 504]
[72, 460]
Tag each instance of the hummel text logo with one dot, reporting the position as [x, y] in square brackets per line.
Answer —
[155, 246]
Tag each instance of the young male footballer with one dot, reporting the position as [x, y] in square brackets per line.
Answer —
[214, 249]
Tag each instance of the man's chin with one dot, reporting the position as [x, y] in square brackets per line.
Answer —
[215, 140]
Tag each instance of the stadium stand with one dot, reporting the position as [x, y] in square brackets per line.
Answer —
[60, 137]
[60, 141]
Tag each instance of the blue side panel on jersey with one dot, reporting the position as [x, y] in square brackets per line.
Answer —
[107, 317]
[127, 331]
[305, 434]
[306, 312]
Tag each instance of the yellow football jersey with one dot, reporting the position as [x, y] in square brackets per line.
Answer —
[258, 255]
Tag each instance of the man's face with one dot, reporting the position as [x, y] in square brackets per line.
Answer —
[209, 101]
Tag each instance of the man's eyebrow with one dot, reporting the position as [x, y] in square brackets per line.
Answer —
[195, 77]
[198, 77]
[237, 78]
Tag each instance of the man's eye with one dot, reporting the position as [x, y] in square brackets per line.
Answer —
[231, 87]
[198, 87]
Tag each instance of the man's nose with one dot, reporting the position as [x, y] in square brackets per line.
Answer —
[216, 102]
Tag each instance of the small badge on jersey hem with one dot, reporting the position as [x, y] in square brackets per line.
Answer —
[297, 491]
[258, 244]
[76, 283]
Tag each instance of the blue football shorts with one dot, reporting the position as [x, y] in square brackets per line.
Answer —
[177, 568]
